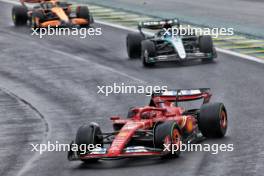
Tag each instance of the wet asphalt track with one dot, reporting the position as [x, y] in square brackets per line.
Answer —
[20, 125]
[59, 77]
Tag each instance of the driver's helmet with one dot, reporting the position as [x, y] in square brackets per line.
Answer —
[146, 115]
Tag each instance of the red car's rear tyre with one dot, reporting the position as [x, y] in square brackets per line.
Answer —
[19, 15]
[168, 133]
[212, 120]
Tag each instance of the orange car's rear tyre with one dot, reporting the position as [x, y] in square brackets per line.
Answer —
[83, 12]
[19, 15]
[212, 120]
[167, 136]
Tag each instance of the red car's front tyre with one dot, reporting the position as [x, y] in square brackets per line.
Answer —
[167, 136]
[86, 135]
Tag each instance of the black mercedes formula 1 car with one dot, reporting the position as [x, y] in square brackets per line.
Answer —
[165, 45]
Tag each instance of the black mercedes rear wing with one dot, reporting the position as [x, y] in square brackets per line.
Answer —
[158, 24]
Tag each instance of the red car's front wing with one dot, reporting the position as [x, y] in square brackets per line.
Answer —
[72, 155]
[123, 155]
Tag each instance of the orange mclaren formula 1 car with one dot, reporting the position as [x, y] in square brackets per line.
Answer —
[154, 130]
[51, 13]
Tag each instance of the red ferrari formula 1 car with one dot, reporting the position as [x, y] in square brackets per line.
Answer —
[51, 13]
[148, 130]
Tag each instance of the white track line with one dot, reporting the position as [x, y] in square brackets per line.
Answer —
[244, 56]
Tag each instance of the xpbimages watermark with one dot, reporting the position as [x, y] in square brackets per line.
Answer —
[188, 30]
[56, 31]
[129, 89]
[192, 147]
[59, 147]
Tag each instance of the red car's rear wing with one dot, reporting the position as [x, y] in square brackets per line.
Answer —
[182, 95]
